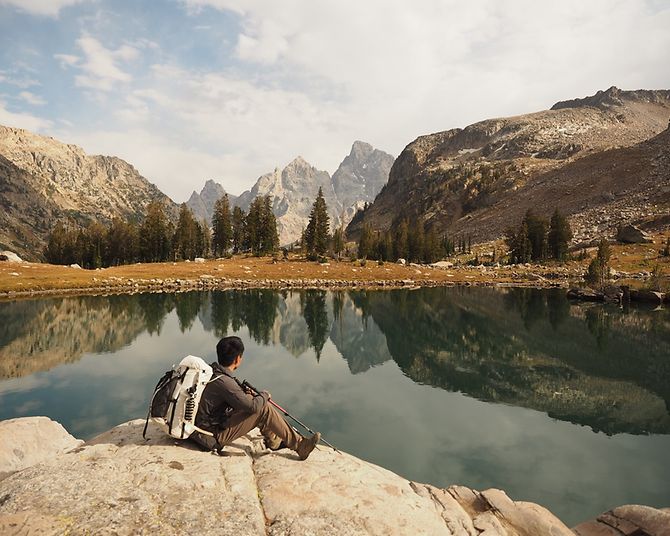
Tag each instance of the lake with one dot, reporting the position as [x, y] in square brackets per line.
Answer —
[562, 404]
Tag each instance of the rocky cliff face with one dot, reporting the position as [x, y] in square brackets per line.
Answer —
[293, 191]
[202, 204]
[43, 180]
[358, 179]
[476, 180]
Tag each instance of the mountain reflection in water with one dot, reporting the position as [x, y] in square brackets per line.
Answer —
[585, 364]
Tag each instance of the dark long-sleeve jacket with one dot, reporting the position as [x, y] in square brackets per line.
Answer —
[222, 397]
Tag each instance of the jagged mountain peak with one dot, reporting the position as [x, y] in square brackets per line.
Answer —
[361, 149]
[293, 189]
[298, 164]
[202, 204]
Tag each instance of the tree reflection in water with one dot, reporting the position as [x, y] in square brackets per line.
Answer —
[587, 364]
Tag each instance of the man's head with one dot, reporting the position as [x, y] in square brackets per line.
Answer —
[228, 350]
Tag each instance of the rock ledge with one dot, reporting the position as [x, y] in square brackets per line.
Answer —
[119, 483]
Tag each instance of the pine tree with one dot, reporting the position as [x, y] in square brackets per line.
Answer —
[185, 243]
[253, 226]
[222, 226]
[432, 251]
[317, 233]
[365, 242]
[338, 242]
[269, 237]
[203, 239]
[599, 268]
[401, 243]
[155, 235]
[122, 243]
[61, 245]
[559, 236]
[537, 235]
[416, 242]
[238, 229]
[520, 248]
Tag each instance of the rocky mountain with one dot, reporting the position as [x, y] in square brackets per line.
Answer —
[358, 179]
[43, 180]
[580, 155]
[202, 204]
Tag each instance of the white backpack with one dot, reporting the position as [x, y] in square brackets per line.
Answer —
[176, 397]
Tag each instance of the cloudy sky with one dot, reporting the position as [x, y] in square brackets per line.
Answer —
[188, 90]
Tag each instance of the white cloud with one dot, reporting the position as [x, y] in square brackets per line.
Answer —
[31, 98]
[311, 76]
[22, 120]
[49, 8]
[413, 68]
[99, 66]
[67, 60]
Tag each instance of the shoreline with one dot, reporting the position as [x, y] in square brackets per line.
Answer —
[250, 284]
[134, 279]
[24, 280]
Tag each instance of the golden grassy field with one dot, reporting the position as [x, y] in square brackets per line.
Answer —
[25, 277]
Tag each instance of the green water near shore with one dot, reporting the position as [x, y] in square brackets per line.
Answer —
[562, 404]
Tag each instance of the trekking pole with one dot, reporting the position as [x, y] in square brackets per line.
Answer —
[246, 384]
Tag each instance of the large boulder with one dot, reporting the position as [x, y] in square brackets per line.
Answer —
[630, 234]
[118, 483]
[585, 294]
[29, 440]
[9, 256]
[646, 296]
[628, 520]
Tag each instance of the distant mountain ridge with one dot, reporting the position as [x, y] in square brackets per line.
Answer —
[481, 179]
[43, 180]
[357, 181]
[202, 204]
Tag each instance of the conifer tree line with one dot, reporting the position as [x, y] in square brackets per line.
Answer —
[411, 242]
[537, 239]
[157, 239]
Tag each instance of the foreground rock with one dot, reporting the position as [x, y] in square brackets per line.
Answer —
[27, 441]
[119, 483]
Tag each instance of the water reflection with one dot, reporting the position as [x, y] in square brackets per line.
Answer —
[588, 365]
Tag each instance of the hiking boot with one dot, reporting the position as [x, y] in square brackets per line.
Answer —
[307, 445]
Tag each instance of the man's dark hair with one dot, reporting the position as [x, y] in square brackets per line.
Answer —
[228, 349]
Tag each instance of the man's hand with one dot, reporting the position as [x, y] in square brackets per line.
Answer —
[266, 393]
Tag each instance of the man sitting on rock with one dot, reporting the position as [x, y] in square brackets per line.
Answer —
[229, 412]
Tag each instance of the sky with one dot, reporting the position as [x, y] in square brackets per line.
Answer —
[190, 90]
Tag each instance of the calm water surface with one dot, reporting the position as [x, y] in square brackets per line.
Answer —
[564, 405]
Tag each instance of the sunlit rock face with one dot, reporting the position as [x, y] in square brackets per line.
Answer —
[46, 180]
[358, 180]
[119, 482]
[601, 160]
